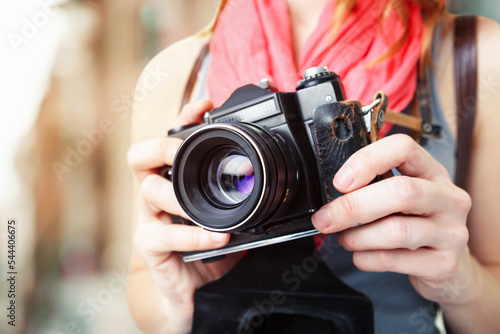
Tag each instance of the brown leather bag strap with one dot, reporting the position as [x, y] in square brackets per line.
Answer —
[193, 76]
[465, 56]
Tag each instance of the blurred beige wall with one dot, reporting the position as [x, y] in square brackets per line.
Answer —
[72, 163]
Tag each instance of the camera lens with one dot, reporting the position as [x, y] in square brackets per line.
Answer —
[231, 176]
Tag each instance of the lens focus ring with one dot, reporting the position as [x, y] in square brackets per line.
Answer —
[230, 176]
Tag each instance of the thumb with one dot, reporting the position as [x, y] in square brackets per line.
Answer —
[193, 112]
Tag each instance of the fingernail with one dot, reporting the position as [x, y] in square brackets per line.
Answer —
[321, 219]
[218, 238]
[344, 178]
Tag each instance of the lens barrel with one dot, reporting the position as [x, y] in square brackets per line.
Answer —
[229, 177]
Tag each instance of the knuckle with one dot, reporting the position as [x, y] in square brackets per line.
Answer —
[463, 236]
[463, 201]
[449, 264]
[350, 205]
[441, 170]
[165, 147]
[398, 232]
[413, 153]
[170, 237]
[405, 141]
[460, 236]
[149, 185]
[404, 188]
[195, 240]
[360, 160]
[386, 259]
[153, 193]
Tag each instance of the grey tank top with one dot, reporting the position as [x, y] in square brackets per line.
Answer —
[398, 308]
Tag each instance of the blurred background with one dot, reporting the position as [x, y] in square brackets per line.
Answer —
[67, 74]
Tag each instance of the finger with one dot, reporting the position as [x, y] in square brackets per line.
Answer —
[193, 112]
[399, 194]
[396, 151]
[149, 155]
[221, 267]
[157, 196]
[162, 239]
[395, 231]
[425, 263]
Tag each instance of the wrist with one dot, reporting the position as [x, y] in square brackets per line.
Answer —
[473, 313]
[467, 289]
[178, 319]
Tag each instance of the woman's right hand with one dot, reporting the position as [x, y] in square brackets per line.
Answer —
[158, 241]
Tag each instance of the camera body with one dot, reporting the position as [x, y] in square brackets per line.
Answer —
[263, 162]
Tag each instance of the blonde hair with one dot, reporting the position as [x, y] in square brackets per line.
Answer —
[432, 10]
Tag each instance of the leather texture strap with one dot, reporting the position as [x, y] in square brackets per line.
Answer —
[415, 113]
[193, 76]
[465, 56]
[419, 121]
[407, 121]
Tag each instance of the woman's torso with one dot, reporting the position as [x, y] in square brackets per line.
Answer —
[398, 307]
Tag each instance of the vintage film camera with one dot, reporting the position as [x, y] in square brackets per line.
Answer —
[263, 162]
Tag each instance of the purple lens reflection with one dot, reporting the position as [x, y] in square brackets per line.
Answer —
[234, 179]
[245, 186]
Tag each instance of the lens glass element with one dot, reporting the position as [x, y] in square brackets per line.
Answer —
[231, 176]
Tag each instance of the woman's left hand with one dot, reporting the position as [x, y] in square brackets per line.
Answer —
[413, 224]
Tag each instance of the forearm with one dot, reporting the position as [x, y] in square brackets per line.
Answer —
[475, 315]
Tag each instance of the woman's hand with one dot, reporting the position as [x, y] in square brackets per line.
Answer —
[158, 240]
[413, 224]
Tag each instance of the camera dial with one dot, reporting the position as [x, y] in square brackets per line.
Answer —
[316, 75]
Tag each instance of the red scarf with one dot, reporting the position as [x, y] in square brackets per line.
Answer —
[252, 41]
